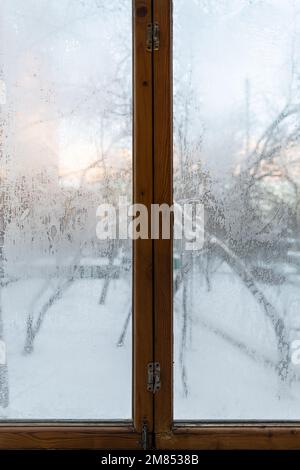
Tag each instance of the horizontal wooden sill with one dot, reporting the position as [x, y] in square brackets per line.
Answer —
[68, 436]
[231, 437]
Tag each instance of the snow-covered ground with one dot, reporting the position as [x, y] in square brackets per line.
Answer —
[76, 371]
[227, 369]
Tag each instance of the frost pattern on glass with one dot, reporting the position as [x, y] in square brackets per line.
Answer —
[237, 151]
[65, 97]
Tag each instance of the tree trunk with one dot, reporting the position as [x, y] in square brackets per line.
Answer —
[278, 324]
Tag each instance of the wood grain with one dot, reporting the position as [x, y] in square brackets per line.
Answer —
[243, 437]
[163, 276]
[167, 435]
[152, 287]
[143, 194]
[119, 436]
[68, 437]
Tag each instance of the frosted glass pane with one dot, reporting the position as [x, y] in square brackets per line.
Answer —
[65, 312]
[237, 152]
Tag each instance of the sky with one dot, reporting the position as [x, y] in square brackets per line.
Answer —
[228, 47]
[62, 63]
[67, 70]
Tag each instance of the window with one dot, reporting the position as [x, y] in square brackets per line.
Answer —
[109, 340]
[66, 145]
[236, 151]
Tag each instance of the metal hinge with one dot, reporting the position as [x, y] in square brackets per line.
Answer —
[153, 37]
[153, 382]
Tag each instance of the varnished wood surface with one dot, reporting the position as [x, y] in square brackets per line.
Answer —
[143, 194]
[167, 435]
[243, 437]
[122, 436]
[163, 278]
[68, 437]
[152, 286]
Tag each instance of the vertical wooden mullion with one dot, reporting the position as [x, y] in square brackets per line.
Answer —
[163, 194]
[142, 194]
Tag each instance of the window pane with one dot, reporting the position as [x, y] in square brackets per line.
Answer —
[237, 153]
[65, 317]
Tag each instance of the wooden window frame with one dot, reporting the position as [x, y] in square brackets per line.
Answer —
[127, 434]
[152, 287]
[170, 434]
